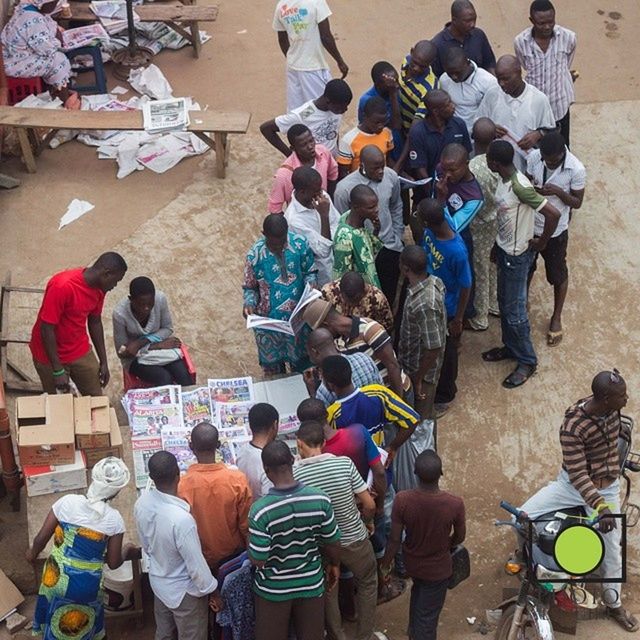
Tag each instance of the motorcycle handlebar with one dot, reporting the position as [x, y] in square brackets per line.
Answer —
[511, 509]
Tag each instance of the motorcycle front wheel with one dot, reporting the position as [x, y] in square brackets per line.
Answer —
[527, 631]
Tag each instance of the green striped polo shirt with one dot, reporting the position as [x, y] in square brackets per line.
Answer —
[285, 531]
[338, 477]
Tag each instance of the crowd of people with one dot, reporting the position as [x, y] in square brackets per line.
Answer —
[418, 224]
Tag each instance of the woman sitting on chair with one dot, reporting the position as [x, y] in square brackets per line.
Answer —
[31, 43]
[143, 335]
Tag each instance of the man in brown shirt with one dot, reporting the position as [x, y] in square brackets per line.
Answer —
[219, 497]
[434, 523]
[590, 477]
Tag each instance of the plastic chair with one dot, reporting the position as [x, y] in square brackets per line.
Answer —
[133, 382]
[95, 52]
[20, 88]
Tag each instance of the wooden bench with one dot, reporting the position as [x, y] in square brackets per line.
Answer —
[176, 16]
[203, 124]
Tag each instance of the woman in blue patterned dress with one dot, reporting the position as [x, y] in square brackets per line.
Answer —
[87, 532]
[277, 268]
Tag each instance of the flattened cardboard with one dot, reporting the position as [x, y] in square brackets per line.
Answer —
[10, 597]
[94, 455]
[91, 419]
[45, 429]
[45, 479]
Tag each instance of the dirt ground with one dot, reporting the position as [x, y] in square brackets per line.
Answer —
[189, 231]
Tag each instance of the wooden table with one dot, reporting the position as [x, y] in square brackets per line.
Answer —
[39, 506]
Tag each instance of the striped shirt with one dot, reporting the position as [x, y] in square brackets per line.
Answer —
[550, 70]
[363, 372]
[412, 93]
[368, 336]
[286, 530]
[338, 477]
[424, 326]
[372, 406]
[590, 450]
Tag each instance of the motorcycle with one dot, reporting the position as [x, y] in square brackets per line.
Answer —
[526, 616]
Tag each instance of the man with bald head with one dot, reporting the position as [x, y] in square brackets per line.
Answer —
[423, 330]
[320, 345]
[219, 497]
[355, 246]
[462, 32]
[466, 83]
[384, 181]
[522, 114]
[484, 228]
[590, 477]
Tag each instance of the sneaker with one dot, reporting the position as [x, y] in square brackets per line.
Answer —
[441, 408]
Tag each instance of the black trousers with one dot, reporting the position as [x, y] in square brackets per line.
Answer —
[388, 268]
[565, 128]
[447, 389]
[173, 373]
[427, 600]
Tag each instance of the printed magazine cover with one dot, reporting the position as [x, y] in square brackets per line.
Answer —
[196, 407]
[230, 390]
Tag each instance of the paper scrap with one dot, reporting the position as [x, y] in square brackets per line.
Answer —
[151, 82]
[119, 90]
[77, 208]
[241, 32]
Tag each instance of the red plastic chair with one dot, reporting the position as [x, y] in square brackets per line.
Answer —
[133, 382]
[20, 88]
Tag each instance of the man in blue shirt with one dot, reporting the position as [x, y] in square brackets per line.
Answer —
[462, 32]
[447, 258]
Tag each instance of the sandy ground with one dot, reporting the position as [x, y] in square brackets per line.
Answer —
[189, 232]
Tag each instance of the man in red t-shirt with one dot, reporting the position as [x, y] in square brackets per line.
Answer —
[59, 344]
[434, 523]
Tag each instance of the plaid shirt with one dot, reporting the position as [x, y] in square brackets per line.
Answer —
[363, 373]
[424, 326]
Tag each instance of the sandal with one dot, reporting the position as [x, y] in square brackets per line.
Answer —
[391, 590]
[468, 325]
[625, 619]
[519, 376]
[497, 354]
[554, 338]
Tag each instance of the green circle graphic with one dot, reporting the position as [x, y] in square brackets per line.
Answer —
[578, 550]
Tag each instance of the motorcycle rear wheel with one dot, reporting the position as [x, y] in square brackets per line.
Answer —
[526, 632]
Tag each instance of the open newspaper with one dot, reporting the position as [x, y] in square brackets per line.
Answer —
[285, 394]
[295, 322]
[171, 114]
[113, 14]
[82, 36]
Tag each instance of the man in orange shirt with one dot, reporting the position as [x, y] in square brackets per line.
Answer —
[219, 498]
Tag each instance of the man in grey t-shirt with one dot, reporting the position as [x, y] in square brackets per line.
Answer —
[263, 422]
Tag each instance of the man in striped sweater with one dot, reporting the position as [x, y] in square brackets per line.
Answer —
[590, 477]
[290, 530]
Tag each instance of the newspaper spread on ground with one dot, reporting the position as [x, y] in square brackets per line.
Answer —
[176, 441]
[230, 390]
[143, 447]
[165, 115]
[295, 322]
[196, 407]
[285, 394]
[82, 36]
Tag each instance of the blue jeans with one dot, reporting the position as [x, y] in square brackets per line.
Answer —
[512, 300]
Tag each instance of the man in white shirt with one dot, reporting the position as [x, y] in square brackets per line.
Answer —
[384, 181]
[517, 203]
[180, 578]
[263, 422]
[559, 176]
[546, 52]
[522, 114]
[322, 115]
[312, 215]
[303, 30]
[466, 84]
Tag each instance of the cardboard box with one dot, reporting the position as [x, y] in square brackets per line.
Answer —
[44, 479]
[93, 455]
[91, 418]
[10, 597]
[45, 429]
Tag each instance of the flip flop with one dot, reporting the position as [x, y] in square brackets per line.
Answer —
[518, 376]
[625, 619]
[554, 338]
[497, 354]
[391, 590]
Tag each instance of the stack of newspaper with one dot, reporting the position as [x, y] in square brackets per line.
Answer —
[113, 14]
[161, 116]
[82, 36]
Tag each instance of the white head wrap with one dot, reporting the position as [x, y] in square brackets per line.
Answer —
[108, 477]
